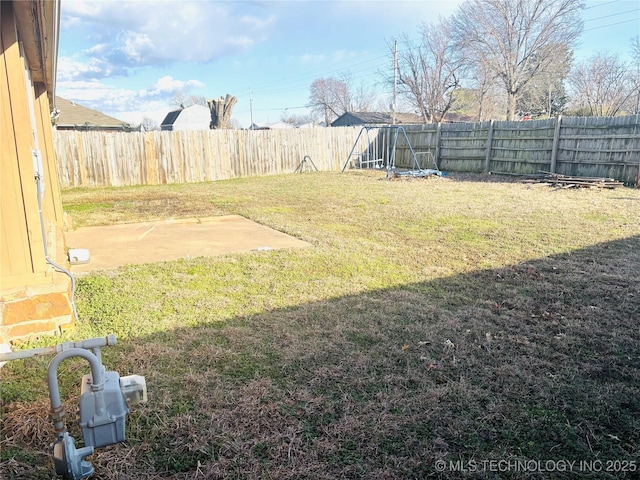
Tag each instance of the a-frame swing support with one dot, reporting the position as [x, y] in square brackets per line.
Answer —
[415, 171]
[364, 158]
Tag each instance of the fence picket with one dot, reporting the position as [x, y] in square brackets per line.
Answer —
[577, 146]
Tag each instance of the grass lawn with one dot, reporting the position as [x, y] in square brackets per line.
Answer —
[463, 319]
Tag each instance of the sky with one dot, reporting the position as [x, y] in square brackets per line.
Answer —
[129, 59]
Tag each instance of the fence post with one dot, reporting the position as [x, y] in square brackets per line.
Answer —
[556, 142]
[487, 155]
[437, 154]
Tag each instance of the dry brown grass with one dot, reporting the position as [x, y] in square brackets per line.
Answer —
[441, 319]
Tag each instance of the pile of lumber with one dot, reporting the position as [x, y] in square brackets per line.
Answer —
[566, 181]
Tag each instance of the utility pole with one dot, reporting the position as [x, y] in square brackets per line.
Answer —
[395, 71]
[251, 107]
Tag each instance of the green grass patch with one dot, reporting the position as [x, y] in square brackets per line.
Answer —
[433, 319]
[88, 207]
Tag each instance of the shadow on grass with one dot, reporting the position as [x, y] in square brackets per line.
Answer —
[537, 361]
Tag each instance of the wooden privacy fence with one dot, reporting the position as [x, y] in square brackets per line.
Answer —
[132, 158]
[576, 146]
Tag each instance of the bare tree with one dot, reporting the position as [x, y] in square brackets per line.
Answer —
[182, 100]
[481, 101]
[324, 98]
[635, 55]
[331, 97]
[362, 97]
[148, 124]
[545, 95]
[489, 100]
[429, 72]
[604, 85]
[517, 40]
[298, 119]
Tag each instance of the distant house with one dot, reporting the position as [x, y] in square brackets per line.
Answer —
[375, 118]
[72, 116]
[270, 126]
[460, 118]
[195, 117]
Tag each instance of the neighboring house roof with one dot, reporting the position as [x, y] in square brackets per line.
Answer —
[171, 117]
[73, 116]
[271, 126]
[39, 25]
[375, 118]
[195, 117]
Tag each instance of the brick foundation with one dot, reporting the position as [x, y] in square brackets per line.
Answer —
[34, 311]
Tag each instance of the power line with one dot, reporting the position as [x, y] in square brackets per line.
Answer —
[279, 108]
[613, 15]
[306, 75]
[600, 5]
[612, 24]
[304, 84]
[303, 80]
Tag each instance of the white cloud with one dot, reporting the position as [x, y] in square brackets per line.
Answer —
[413, 12]
[72, 69]
[153, 33]
[155, 111]
[169, 85]
[69, 69]
[127, 104]
[134, 45]
[96, 94]
[307, 58]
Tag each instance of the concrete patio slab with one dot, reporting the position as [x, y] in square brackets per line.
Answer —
[148, 242]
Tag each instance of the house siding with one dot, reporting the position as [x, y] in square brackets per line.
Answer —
[73, 116]
[195, 117]
[347, 120]
[26, 278]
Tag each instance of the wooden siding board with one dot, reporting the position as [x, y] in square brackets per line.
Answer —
[53, 197]
[25, 119]
[22, 132]
[14, 256]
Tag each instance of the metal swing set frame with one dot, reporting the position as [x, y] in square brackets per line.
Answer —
[370, 159]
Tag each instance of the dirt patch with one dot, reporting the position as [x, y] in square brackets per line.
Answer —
[148, 242]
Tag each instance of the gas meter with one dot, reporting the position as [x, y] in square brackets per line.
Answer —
[105, 398]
